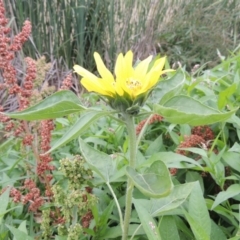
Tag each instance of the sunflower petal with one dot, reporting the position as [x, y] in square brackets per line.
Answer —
[103, 71]
[119, 66]
[159, 64]
[95, 86]
[128, 59]
[141, 69]
[84, 73]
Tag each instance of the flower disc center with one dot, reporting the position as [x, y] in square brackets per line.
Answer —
[133, 84]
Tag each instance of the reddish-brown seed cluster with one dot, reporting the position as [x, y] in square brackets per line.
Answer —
[190, 141]
[45, 130]
[33, 196]
[16, 195]
[21, 37]
[56, 217]
[67, 82]
[27, 140]
[86, 219]
[199, 138]
[173, 171]
[29, 193]
[153, 119]
[3, 118]
[203, 131]
[8, 49]
[26, 89]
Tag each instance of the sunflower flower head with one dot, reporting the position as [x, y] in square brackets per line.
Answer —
[129, 87]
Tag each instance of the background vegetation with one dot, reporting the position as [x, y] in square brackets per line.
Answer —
[187, 31]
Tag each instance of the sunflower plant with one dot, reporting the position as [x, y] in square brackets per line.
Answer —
[126, 92]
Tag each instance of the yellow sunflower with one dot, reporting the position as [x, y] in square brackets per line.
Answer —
[128, 82]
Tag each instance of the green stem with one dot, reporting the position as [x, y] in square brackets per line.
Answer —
[129, 120]
[118, 206]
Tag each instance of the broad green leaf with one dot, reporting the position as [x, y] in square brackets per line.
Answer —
[232, 191]
[199, 151]
[4, 200]
[232, 159]
[22, 228]
[81, 125]
[225, 94]
[18, 234]
[198, 211]
[155, 146]
[166, 89]
[235, 148]
[216, 232]
[57, 105]
[198, 231]
[148, 223]
[115, 232]
[158, 207]
[186, 110]
[154, 182]
[168, 228]
[172, 160]
[99, 162]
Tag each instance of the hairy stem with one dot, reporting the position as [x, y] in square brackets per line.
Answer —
[129, 120]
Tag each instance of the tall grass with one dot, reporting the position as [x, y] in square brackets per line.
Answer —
[189, 31]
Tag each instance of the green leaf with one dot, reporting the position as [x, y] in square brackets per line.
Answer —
[225, 94]
[155, 146]
[186, 110]
[235, 148]
[168, 228]
[216, 232]
[158, 207]
[147, 221]
[198, 211]
[4, 200]
[166, 89]
[22, 228]
[198, 231]
[99, 162]
[232, 191]
[184, 230]
[155, 182]
[172, 160]
[18, 234]
[57, 105]
[82, 124]
[232, 160]
[105, 216]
